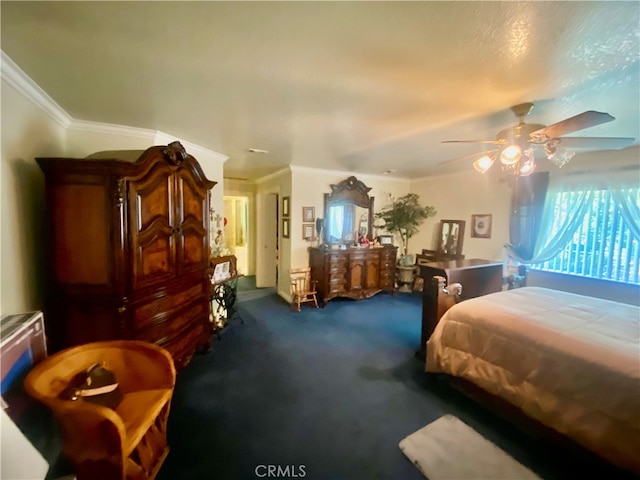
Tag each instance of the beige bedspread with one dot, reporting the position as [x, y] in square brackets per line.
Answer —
[572, 362]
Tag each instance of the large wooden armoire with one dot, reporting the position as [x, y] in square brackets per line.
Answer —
[128, 246]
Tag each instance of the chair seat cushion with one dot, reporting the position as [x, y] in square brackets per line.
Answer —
[138, 411]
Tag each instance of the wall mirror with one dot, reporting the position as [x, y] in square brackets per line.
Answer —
[348, 212]
[450, 238]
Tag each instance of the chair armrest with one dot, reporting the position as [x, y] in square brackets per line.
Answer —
[90, 431]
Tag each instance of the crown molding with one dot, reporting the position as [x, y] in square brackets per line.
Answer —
[112, 129]
[273, 175]
[18, 79]
[342, 173]
[154, 137]
[198, 151]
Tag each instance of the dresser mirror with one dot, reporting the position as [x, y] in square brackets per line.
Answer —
[348, 212]
[451, 236]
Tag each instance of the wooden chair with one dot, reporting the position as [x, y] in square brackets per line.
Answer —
[303, 289]
[125, 443]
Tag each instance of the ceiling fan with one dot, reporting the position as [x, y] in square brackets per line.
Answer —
[516, 146]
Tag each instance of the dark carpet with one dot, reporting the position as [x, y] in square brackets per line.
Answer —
[326, 394]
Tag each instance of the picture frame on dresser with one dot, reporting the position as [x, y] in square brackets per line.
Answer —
[385, 239]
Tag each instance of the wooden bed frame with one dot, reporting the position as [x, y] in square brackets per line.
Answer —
[443, 298]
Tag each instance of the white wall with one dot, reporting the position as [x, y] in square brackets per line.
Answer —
[457, 197]
[27, 132]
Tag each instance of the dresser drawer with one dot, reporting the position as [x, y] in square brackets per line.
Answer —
[338, 284]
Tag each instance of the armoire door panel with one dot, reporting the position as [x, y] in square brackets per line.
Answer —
[193, 244]
[151, 200]
[194, 251]
[153, 261]
[193, 198]
[151, 220]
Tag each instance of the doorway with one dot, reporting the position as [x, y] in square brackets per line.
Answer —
[237, 230]
[268, 244]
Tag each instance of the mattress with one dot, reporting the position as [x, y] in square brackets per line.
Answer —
[571, 362]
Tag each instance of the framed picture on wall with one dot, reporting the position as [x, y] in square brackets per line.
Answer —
[307, 231]
[285, 228]
[481, 226]
[285, 206]
[308, 214]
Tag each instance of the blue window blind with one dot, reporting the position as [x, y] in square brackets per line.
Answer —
[603, 245]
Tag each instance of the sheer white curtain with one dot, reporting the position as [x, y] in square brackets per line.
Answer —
[561, 218]
[335, 222]
[628, 200]
[554, 234]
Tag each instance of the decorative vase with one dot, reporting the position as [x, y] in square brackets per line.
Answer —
[405, 276]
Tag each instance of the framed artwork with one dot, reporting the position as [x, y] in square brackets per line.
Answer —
[307, 231]
[481, 226]
[451, 234]
[385, 239]
[285, 228]
[285, 206]
[308, 214]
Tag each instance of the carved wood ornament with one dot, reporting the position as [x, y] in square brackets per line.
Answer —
[175, 153]
[350, 190]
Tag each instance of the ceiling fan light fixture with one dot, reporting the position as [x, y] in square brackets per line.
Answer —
[558, 155]
[516, 144]
[510, 155]
[484, 163]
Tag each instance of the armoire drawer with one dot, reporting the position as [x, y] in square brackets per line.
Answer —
[181, 346]
[180, 320]
[157, 309]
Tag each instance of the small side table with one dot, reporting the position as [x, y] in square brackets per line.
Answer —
[223, 278]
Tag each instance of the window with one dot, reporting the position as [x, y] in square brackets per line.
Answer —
[604, 242]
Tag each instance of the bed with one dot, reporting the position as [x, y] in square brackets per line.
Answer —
[569, 361]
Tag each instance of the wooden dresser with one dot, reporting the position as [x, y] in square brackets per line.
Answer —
[355, 273]
[128, 250]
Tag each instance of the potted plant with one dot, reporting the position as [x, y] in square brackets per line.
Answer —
[404, 215]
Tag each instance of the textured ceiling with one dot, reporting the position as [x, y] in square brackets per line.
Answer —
[355, 86]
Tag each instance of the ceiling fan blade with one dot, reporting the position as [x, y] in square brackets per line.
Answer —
[584, 120]
[491, 142]
[596, 143]
[477, 154]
